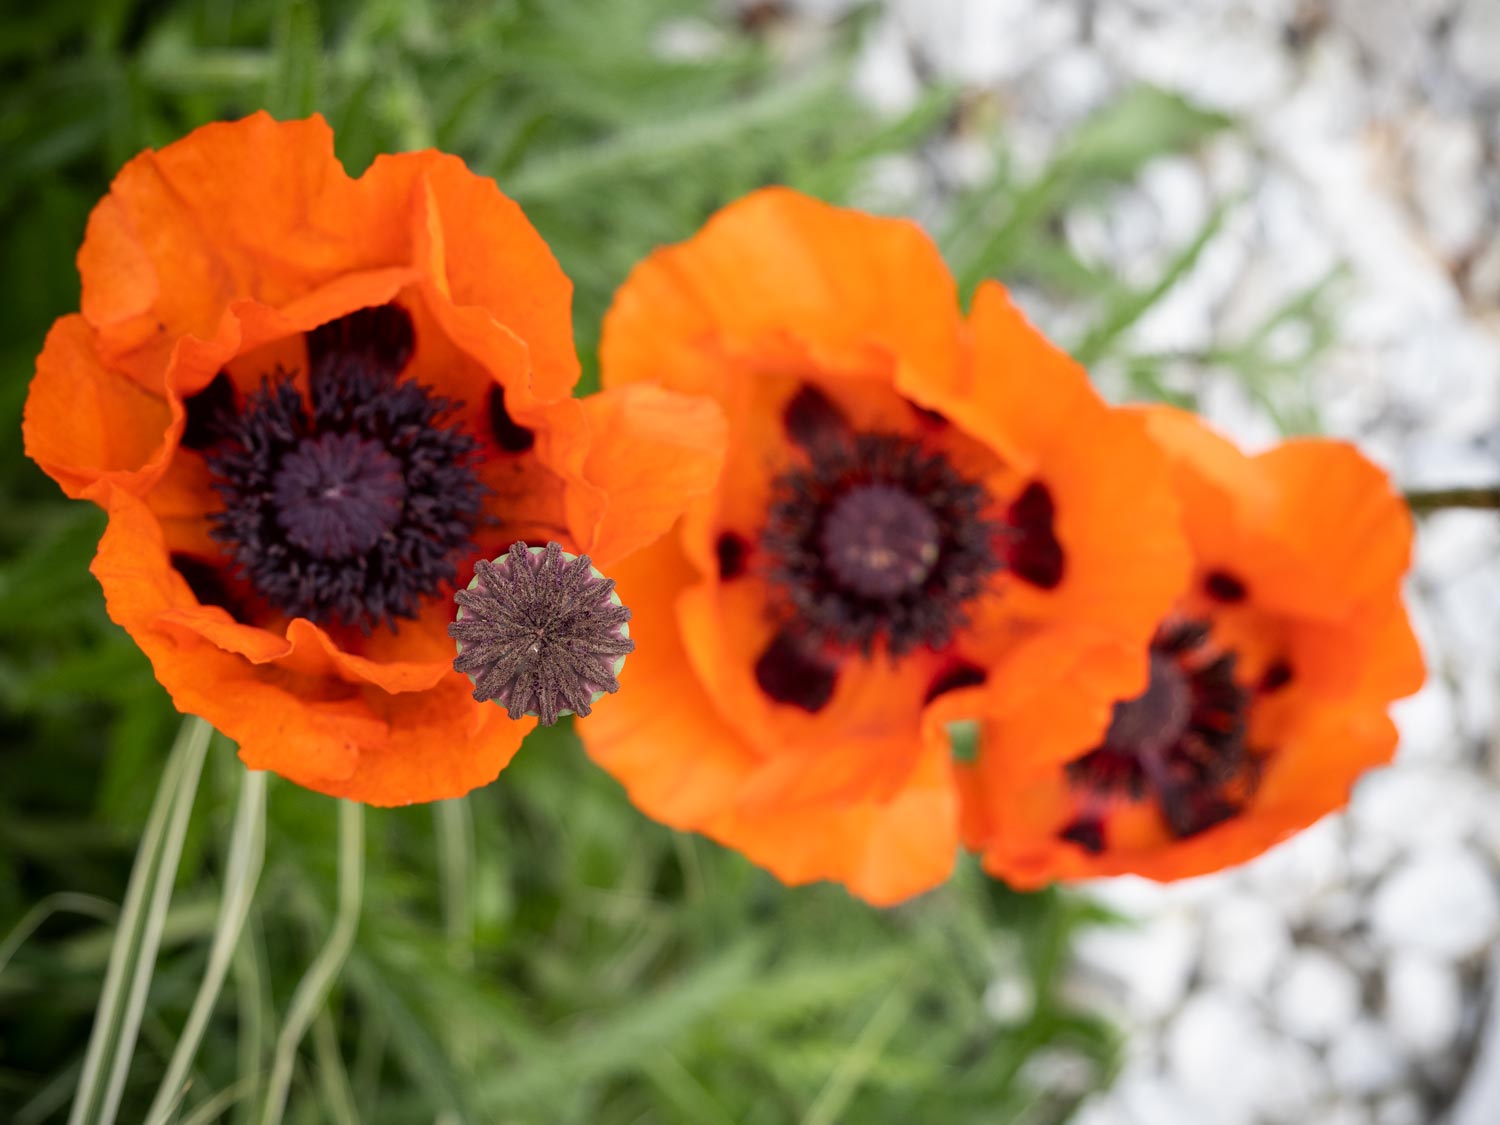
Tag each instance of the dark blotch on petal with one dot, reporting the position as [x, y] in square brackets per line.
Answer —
[954, 677]
[1224, 587]
[207, 413]
[813, 421]
[1034, 554]
[508, 435]
[204, 579]
[791, 675]
[1087, 833]
[381, 339]
[734, 555]
[1275, 677]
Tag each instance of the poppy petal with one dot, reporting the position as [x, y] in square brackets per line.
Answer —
[858, 293]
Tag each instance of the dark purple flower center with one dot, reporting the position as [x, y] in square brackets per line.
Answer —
[873, 538]
[880, 541]
[336, 495]
[1180, 744]
[355, 503]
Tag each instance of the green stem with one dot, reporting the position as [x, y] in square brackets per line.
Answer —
[132, 956]
[242, 871]
[312, 990]
[1423, 501]
[453, 823]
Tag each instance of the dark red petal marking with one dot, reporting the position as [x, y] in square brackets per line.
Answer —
[789, 674]
[206, 581]
[1033, 553]
[813, 421]
[509, 436]
[954, 677]
[1087, 833]
[1276, 676]
[379, 339]
[733, 551]
[1224, 587]
[208, 412]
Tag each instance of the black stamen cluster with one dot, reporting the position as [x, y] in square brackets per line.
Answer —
[540, 634]
[834, 611]
[314, 516]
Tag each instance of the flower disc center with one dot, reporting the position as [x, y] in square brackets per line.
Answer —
[880, 541]
[1159, 716]
[336, 495]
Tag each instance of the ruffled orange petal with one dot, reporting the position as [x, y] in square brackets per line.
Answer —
[82, 424]
[1116, 518]
[633, 458]
[298, 705]
[660, 735]
[1346, 531]
[883, 850]
[262, 210]
[857, 294]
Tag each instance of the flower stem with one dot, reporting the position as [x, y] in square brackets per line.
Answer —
[132, 955]
[1423, 501]
[312, 990]
[242, 872]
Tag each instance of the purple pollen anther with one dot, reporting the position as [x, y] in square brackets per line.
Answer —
[541, 632]
[338, 494]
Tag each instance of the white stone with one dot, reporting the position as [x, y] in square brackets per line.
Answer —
[1365, 1060]
[884, 77]
[1233, 63]
[1143, 1095]
[1447, 160]
[1298, 1082]
[1009, 998]
[1317, 997]
[1070, 85]
[1428, 723]
[1424, 1003]
[1216, 1050]
[1474, 43]
[1401, 1108]
[1153, 960]
[1244, 941]
[982, 42]
[1415, 804]
[1440, 901]
[1297, 873]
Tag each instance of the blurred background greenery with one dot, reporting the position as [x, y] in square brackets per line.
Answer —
[537, 951]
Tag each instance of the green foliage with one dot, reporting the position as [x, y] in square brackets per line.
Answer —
[538, 951]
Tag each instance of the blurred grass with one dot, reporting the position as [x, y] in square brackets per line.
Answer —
[537, 952]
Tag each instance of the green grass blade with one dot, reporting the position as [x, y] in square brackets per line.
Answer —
[313, 988]
[242, 873]
[133, 954]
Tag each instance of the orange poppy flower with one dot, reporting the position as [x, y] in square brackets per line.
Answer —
[1269, 686]
[308, 403]
[916, 511]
